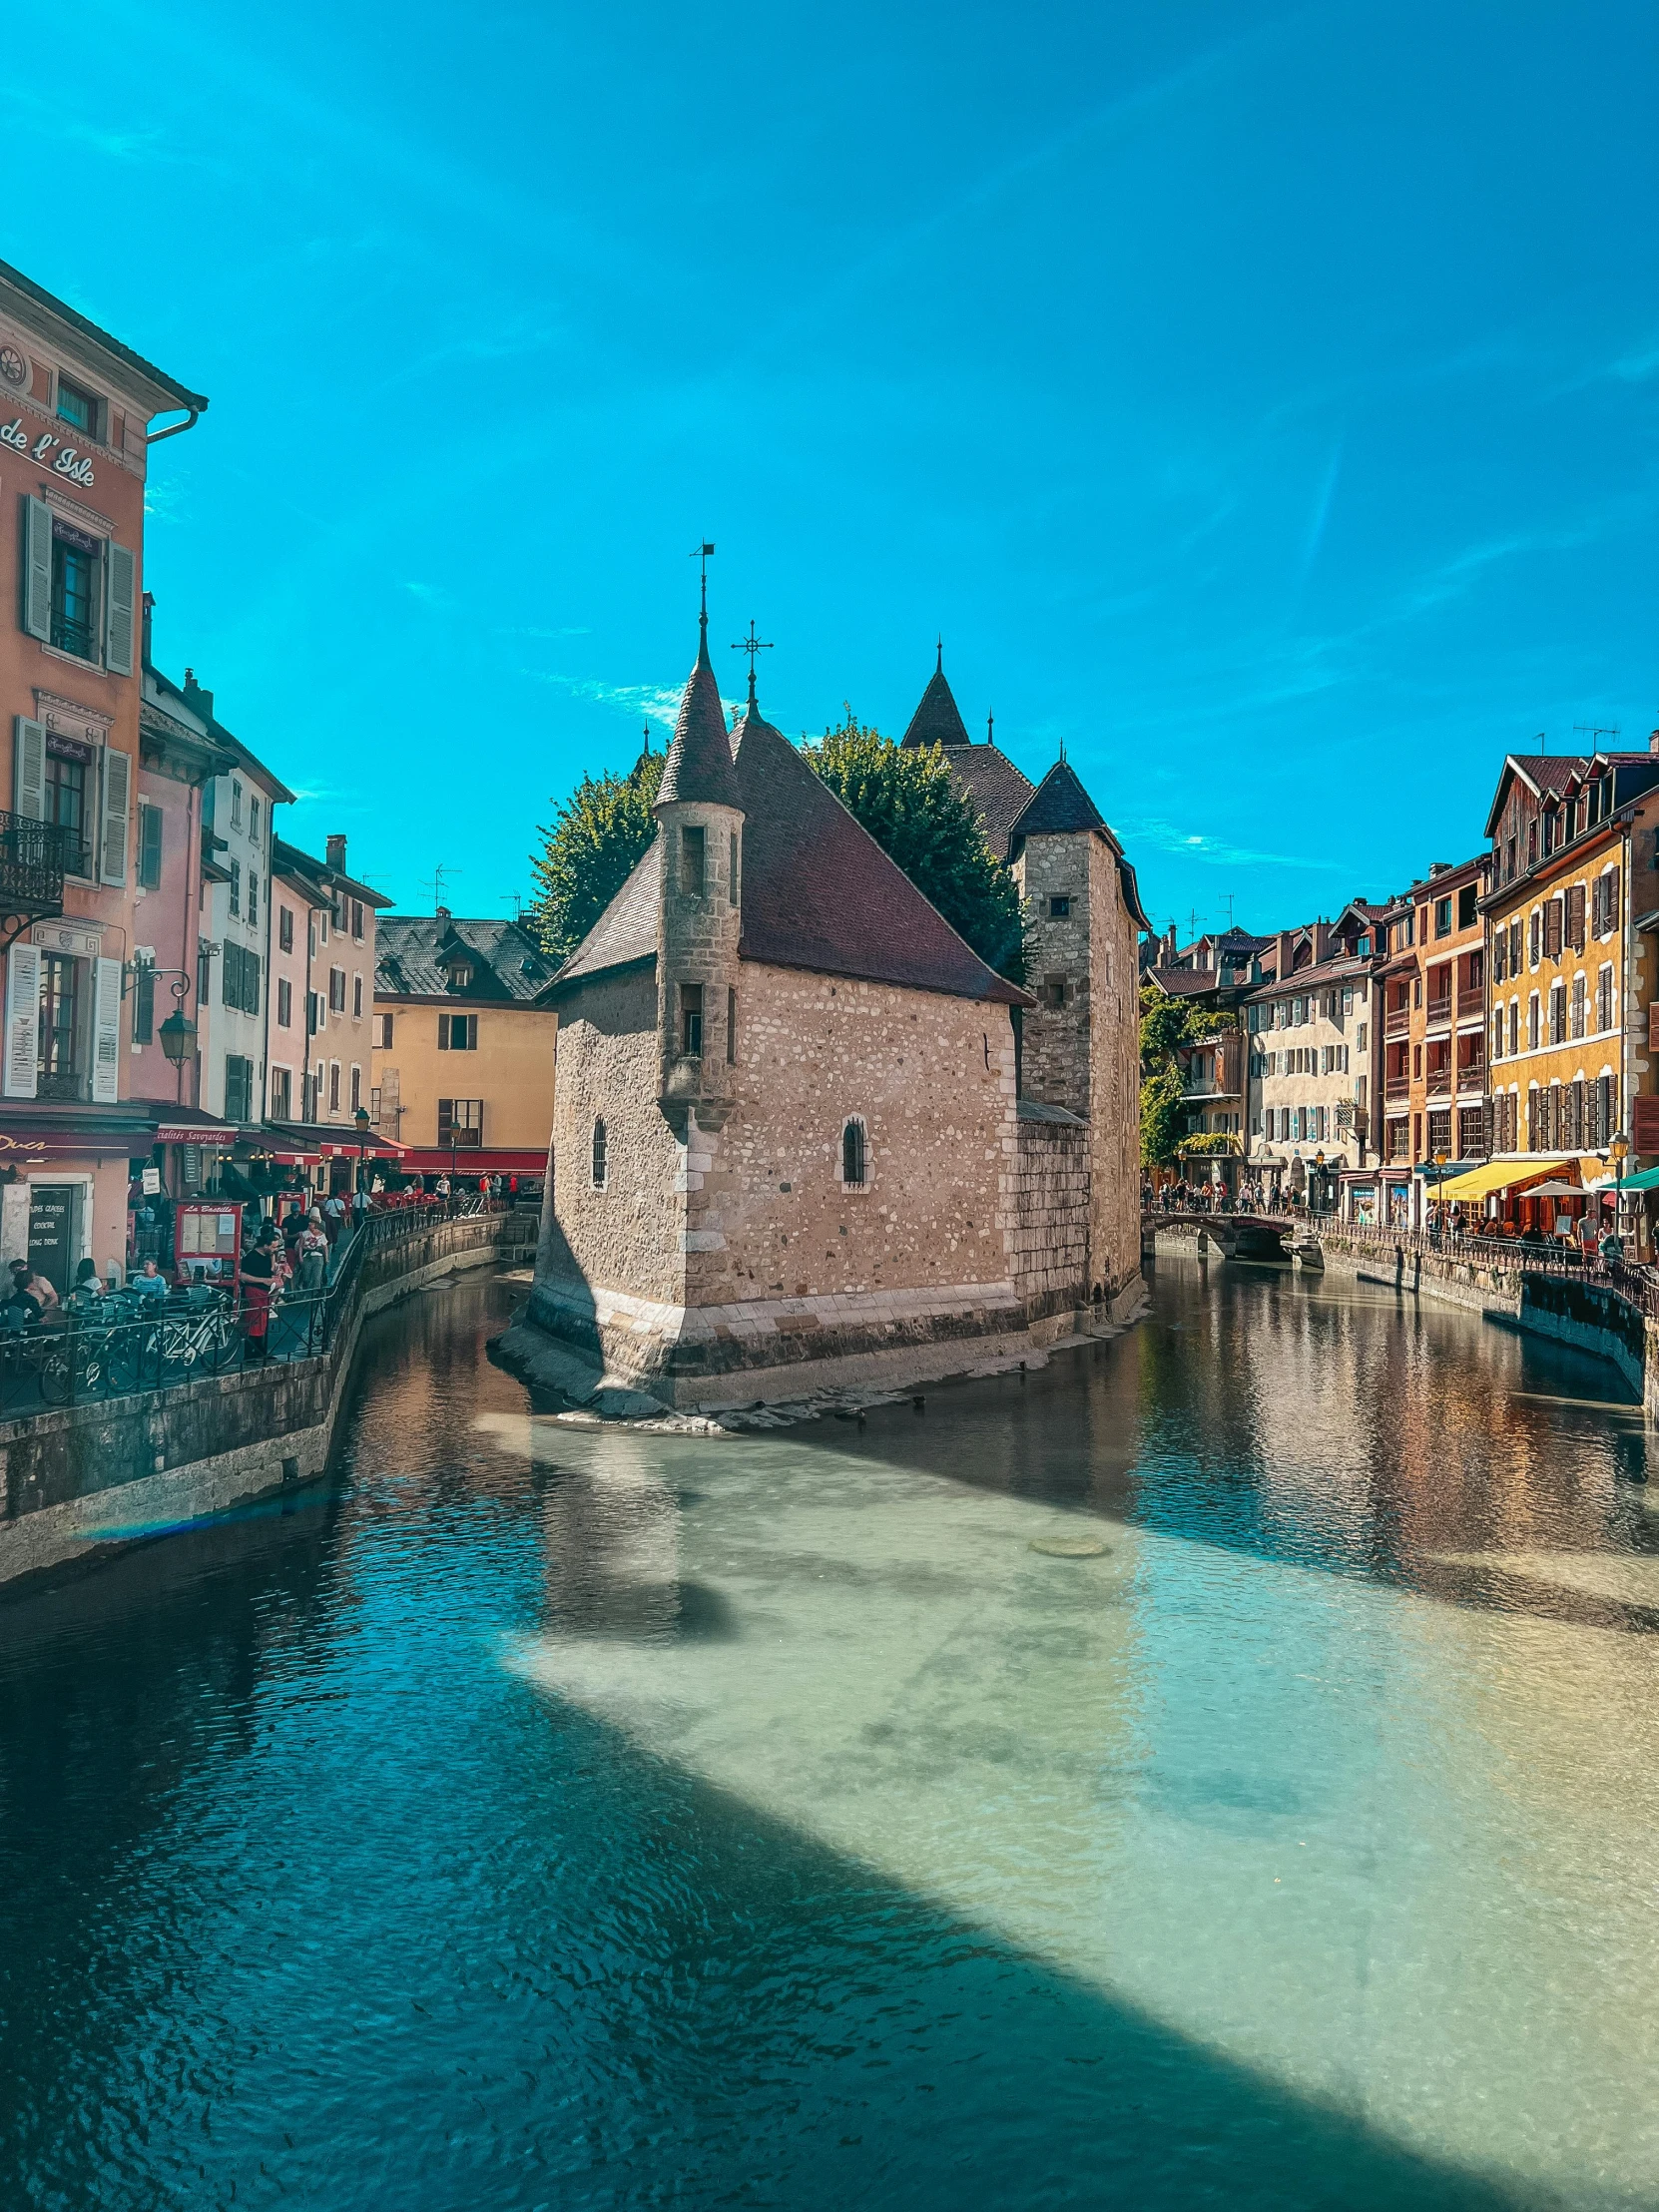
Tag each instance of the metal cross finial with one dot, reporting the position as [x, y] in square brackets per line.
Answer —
[751, 645]
[991, 726]
[938, 665]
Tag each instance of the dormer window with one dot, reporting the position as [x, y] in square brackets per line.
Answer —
[457, 974]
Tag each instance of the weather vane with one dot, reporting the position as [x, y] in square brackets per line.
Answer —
[700, 554]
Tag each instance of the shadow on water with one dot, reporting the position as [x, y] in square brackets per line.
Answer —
[303, 1898]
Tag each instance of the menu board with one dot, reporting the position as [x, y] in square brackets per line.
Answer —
[208, 1239]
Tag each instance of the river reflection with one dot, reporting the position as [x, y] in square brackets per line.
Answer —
[572, 1817]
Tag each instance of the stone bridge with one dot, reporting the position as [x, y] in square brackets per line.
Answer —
[1241, 1236]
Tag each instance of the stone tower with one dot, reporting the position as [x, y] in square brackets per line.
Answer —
[701, 818]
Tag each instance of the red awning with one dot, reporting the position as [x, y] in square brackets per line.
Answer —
[465, 1161]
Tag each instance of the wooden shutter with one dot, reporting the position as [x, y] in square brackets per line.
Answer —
[121, 574]
[1575, 916]
[1644, 1124]
[106, 1031]
[149, 847]
[250, 983]
[1611, 880]
[22, 1020]
[1552, 930]
[117, 816]
[37, 569]
[443, 1032]
[29, 769]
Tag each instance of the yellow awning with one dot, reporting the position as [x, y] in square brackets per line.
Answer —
[1497, 1174]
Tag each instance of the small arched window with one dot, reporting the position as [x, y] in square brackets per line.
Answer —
[852, 1155]
[599, 1149]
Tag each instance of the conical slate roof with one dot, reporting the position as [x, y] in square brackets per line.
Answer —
[936, 721]
[700, 758]
[1058, 805]
[819, 892]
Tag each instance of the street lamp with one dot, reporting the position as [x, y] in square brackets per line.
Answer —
[1319, 1176]
[362, 1121]
[1440, 1179]
[1619, 1152]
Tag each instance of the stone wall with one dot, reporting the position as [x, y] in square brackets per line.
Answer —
[1047, 1208]
[80, 1478]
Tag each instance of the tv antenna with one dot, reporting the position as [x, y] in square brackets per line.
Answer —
[440, 876]
[1596, 730]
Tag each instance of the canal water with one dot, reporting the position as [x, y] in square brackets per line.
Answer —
[1219, 1770]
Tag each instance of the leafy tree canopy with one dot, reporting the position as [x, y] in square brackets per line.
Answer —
[1167, 1024]
[919, 816]
[592, 846]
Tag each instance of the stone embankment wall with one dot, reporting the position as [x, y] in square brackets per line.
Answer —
[1046, 1210]
[80, 1478]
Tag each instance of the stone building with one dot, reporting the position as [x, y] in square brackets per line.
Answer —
[1312, 1038]
[1434, 1018]
[791, 1148]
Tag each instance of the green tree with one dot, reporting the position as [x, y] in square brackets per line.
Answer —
[919, 816]
[592, 846]
[1167, 1024]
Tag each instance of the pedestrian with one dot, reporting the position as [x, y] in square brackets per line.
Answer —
[359, 1206]
[259, 1281]
[312, 1251]
[1611, 1247]
[333, 1217]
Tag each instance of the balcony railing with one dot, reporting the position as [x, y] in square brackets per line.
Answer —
[1397, 1086]
[1471, 1003]
[34, 858]
[1397, 1021]
[1439, 1009]
[1440, 1082]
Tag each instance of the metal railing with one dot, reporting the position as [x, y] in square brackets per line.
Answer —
[34, 858]
[1637, 1285]
[129, 1341]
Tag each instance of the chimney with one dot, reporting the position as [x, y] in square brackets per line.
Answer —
[336, 850]
[1653, 741]
[148, 630]
[202, 701]
[442, 913]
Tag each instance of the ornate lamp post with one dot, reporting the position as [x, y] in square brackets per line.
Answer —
[1619, 1152]
[362, 1121]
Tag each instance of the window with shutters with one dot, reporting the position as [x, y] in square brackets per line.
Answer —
[333, 1086]
[460, 1122]
[1604, 999]
[68, 763]
[357, 998]
[1575, 916]
[253, 900]
[457, 1032]
[1580, 1002]
[254, 821]
[60, 1007]
[144, 1005]
[285, 1003]
[236, 803]
[357, 919]
[239, 1087]
[76, 561]
[1552, 931]
[1532, 1014]
[1534, 937]
[149, 847]
[236, 887]
[284, 928]
[356, 1088]
[1557, 1014]
[381, 1032]
[336, 990]
[282, 1094]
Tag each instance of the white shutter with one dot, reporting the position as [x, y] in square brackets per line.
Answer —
[117, 792]
[37, 568]
[22, 1020]
[106, 1031]
[29, 769]
[121, 575]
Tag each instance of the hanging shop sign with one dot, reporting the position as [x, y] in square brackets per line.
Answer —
[67, 462]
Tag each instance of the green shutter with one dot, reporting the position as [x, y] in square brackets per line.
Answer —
[22, 1020]
[121, 574]
[117, 816]
[149, 847]
[37, 570]
[29, 770]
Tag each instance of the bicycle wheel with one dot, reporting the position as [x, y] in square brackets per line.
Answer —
[57, 1375]
[222, 1344]
[123, 1354]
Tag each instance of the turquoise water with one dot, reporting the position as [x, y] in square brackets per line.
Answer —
[554, 1817]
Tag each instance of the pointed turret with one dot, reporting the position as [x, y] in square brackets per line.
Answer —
[698, 915]
[936, 721]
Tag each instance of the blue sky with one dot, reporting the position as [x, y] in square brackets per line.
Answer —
[1259, 399]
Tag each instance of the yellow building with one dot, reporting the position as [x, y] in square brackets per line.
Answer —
[1570, 961]
[462, 1046]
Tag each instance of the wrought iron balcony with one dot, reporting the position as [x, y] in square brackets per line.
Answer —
[35, 856]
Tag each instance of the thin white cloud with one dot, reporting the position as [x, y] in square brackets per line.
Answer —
[657, 703]
[1164, 837]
